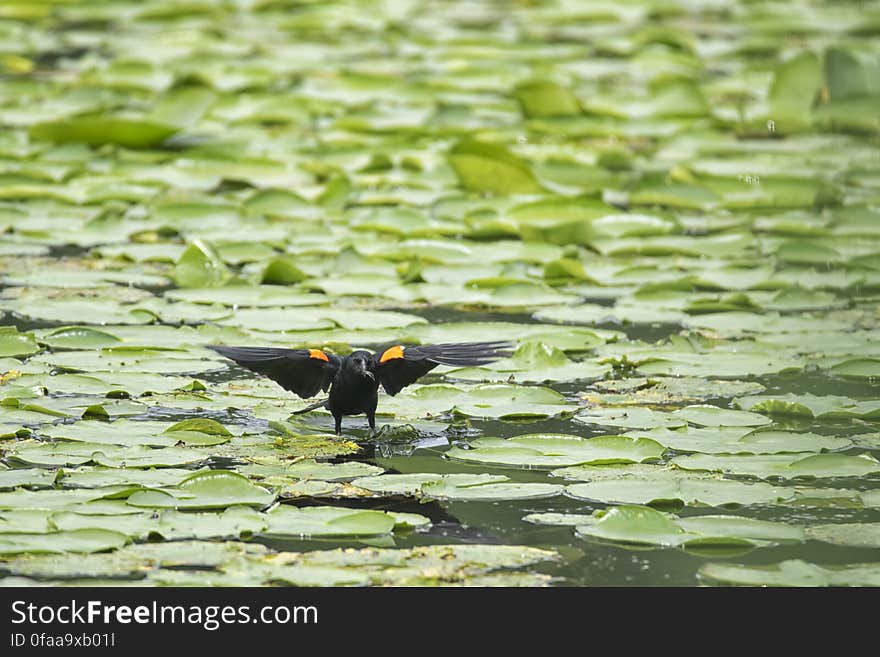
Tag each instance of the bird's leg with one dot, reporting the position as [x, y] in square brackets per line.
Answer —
[371, 415]
[338, 419]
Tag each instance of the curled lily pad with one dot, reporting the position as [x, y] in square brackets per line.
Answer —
[634, 524]
[861, 368]
[486, 167]
[646, 526]
[808, 406]
[79, 337]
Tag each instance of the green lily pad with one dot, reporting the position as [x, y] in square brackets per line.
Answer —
[859, 368]
[556, 450]
[13, 343]
[636, 417]
[792, 573]
[712, 416]
[742, 440]
[677, 490]
[809, 406]
[634, 524]
[97, 130]
[200, 266]
[787, 466]
[98, 477]
[327, 521]
[855, 534]
[544, 98]
[29, 477]
[310, 469]
[170, 525]
[475, 487]
[208, 489]
[79, 337]
[646, 526]
[486, 167]
[77, 540]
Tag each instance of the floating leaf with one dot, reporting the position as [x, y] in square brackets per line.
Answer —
[475, 487]
[795, 86]
[77, 540]
[633, 524]
[676, 491]
[486, 167]
[789, 466]
[327, 521]
[855, 534]
[543, 98]
[99, 130]
[860, 368]
[200, 266]
[555, 450]
[208, 489]
[13, 343]
[793, 573]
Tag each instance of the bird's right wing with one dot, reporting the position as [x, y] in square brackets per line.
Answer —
[398, 366]
[302, 371]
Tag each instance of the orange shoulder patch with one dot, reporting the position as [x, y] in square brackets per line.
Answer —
[392, 353]
[317, 354]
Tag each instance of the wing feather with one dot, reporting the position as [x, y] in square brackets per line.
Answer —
[302, 371]
[398, 366]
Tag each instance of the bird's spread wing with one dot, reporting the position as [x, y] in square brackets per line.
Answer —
[302, 371]
[399, 365]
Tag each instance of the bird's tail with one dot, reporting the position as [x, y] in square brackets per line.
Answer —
[310, 407]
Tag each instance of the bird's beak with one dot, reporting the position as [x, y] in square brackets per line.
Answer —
[367, 373]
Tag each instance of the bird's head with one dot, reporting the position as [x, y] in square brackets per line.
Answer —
[360, 362]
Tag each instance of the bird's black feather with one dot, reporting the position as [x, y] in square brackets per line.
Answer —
[296, 370]
[355, 379]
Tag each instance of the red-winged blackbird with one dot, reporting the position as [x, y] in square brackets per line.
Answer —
[354, 380]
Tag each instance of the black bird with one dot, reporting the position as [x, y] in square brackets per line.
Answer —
[354, 380]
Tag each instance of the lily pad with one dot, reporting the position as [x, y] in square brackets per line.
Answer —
[13, 343]
[676, 491]
[327, 521]
[855, 534]
[556, 450]
[475, 487]
[788, 466]
[792, 573]
[209, 489]
[77, 540]
[486, 167]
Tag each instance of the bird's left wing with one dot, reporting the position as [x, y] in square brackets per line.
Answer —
[399, 365]
[302, 371]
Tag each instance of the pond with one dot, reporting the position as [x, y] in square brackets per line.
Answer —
[671, 210]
